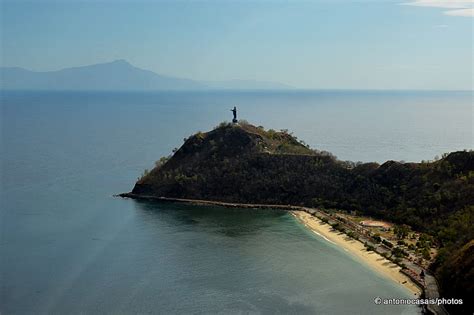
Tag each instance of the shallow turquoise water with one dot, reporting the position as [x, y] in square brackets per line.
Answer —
[68, 246]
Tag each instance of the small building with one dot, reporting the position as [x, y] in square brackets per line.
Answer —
[376, 224]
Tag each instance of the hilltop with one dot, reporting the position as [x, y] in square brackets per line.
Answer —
[226, 164]
[243, 163]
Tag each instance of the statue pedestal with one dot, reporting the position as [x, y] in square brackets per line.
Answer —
[234, 121]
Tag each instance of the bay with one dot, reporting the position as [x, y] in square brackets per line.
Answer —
[68, 246]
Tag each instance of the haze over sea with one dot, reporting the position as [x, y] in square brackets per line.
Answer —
[68, 246]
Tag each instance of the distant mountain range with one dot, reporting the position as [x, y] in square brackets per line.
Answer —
[116, 75]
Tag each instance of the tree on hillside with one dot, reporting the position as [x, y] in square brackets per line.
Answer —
[401, 231]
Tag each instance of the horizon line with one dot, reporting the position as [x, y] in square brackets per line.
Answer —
[290, 89]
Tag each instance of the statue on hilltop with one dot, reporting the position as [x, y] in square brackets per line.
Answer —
[234, 111]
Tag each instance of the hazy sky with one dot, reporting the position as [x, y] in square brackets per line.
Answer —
[425, 44]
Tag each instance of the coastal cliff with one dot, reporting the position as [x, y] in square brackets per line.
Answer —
[243, 163]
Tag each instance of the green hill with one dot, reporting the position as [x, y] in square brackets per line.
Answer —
[247, 164]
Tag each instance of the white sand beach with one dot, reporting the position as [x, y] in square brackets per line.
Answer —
[377, 262]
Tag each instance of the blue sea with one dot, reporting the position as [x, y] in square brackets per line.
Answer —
[67, 246]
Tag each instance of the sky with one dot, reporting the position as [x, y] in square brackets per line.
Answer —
[320, 44]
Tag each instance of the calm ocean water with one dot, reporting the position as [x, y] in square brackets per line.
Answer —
[68, 246]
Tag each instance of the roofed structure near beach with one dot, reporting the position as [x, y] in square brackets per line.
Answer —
[376, 224]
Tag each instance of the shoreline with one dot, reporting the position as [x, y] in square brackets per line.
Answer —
[201, 202]
[375, 261]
